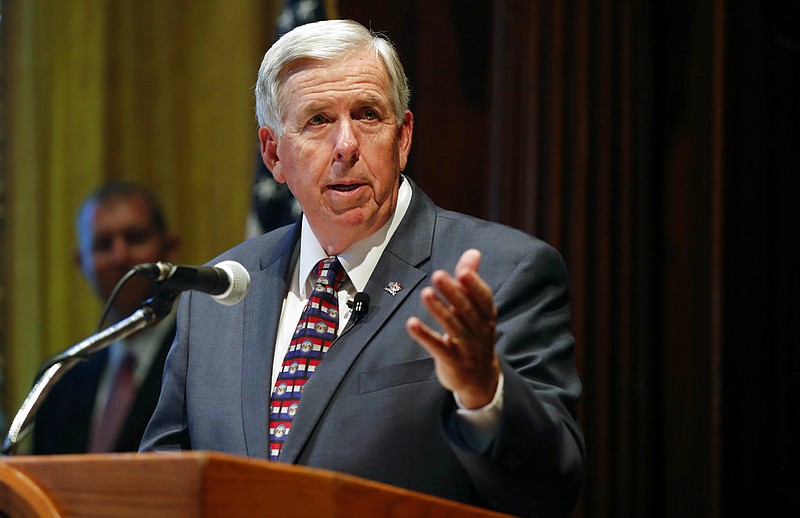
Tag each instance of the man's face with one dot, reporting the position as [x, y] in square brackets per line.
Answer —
[116, 235]
[342, 152]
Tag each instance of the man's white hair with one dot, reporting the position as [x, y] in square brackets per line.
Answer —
[325, 41]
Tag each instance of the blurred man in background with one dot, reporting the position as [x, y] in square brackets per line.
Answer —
[104, 403]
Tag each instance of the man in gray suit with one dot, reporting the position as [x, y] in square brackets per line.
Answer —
[460, 384]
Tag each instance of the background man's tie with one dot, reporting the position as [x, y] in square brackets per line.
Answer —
[314, 334]
[120, 398]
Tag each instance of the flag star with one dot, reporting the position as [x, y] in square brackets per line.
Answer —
[295, 208]
[286, 20]
[267, 189]
[305, 9]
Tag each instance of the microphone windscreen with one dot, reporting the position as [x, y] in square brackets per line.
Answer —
[239, 283]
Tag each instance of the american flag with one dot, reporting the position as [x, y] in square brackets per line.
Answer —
[273, 203]
[300, 12]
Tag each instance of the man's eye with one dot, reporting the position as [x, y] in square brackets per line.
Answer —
[101, 245]
[137, 237]
[370, 115]
[316, 120]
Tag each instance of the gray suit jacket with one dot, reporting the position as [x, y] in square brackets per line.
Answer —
[375, 408]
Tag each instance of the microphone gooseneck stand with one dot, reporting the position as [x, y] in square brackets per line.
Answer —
[151, 312]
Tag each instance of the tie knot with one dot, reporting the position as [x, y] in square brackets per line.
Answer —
[330, 273]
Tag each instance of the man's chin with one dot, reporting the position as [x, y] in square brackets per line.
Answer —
[360, 217]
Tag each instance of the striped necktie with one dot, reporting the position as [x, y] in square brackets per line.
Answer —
[315, 333]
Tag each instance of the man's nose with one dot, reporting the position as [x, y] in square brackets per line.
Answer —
[120, 250]
[346, 150]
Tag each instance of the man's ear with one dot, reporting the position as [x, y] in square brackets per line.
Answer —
[269, 152]
[404, 141]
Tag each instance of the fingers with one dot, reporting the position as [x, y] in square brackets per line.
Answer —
[477, 293]
[469, 260]
[426, 337]
[469, 297]
[438, 347]
[449, 306]
[463, 305]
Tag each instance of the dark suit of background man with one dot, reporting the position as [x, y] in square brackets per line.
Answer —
[118, 226]
[460, 385]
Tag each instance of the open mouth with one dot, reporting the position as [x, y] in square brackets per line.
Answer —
[345, 188]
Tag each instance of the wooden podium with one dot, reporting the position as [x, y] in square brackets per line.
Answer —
[199, 484]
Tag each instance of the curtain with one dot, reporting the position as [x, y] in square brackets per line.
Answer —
[155, 92]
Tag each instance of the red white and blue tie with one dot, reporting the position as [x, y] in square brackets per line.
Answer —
[312, 338]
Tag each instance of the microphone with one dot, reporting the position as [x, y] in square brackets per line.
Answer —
[359, 305]
[227, 282]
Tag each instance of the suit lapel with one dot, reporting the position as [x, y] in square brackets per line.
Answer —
[409, 247]
[262, 312]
